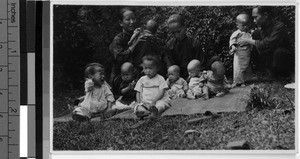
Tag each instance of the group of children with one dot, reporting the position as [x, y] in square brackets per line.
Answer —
[150, 94]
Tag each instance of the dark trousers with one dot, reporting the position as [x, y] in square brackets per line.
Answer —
[281, 62]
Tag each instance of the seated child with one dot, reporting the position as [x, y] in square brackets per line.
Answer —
[151, 90]
[241, 62]
[216, 82]
[195, 85]
[127, 92]
[177, 85]
[98, 98]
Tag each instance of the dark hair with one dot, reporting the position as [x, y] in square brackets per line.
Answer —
[212, 60]
[176, 18]
[265, 9]
[90, 69]
[153, 58]
[123, 10]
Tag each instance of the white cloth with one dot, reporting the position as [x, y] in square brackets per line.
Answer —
[149, 87]
[95, 99]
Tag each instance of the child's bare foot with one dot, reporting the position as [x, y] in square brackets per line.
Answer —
[206, 96]
[220, 94]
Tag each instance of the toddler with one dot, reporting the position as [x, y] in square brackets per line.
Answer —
[127, 92]
[98, 98]
[195, 85]
[241, 62]
[216, 82]
[151, 90]
[177, 85]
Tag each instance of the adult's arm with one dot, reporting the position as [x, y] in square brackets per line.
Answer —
[200, 55]
[273, 40]
[120, 51]
[169, 59]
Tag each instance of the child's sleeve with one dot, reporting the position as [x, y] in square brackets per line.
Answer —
[163, 83]
[185, 85]
[138, 86]
[233, 40]
[88, 85]
[108, 94]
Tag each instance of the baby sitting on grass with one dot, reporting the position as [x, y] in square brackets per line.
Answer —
[215, 81]
[195, 84]
[98, 98]
[151, 97]
[126, 90]
[177, 85]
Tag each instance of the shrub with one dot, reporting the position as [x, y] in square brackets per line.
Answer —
[260, 98]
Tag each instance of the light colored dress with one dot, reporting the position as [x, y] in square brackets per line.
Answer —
[194, 88]
[95, 100]
[241, 61]
[149, 88]
[177, 89]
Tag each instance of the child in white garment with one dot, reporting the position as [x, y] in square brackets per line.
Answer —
[195, 85]
[177, 85]
[151, 97]
[241, 62]
[98, 98]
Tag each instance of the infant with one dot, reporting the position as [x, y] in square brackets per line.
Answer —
[216, 82]
[177, 85]
[195, 85]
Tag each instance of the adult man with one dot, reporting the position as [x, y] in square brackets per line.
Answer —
[273, 43]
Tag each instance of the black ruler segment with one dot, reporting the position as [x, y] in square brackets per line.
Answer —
[39, 79]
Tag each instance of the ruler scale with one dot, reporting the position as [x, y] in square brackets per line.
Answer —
[9, 77]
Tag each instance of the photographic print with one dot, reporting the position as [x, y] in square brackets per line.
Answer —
[173, 77]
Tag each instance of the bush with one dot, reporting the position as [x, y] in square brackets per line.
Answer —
[260, 98]
[82, 34]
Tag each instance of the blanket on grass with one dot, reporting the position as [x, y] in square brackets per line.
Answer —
[234, 101]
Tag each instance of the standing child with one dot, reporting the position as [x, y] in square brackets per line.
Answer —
[216, 82]
[195, 85]
[98, 98]
[151, 90]
[177, 85]
[241, 62]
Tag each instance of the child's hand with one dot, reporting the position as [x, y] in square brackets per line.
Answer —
[88, 85]
[201, 84]
[131, 85]
[232, 50]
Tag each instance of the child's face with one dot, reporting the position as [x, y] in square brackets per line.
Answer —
[177, 30]
[173, 75]
[127, 76]
[99, 76]
[129, 21]
[193, 72]
[149, 68]
[242, 27]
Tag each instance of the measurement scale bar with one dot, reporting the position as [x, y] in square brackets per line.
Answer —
[10, 79]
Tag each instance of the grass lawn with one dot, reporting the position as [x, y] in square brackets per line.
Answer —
[268, 124]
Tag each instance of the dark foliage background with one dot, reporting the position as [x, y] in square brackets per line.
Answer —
[82, 34]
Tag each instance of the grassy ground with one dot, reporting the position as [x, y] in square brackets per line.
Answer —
[268, 124]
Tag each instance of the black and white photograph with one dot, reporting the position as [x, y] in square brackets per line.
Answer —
[223, 77]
